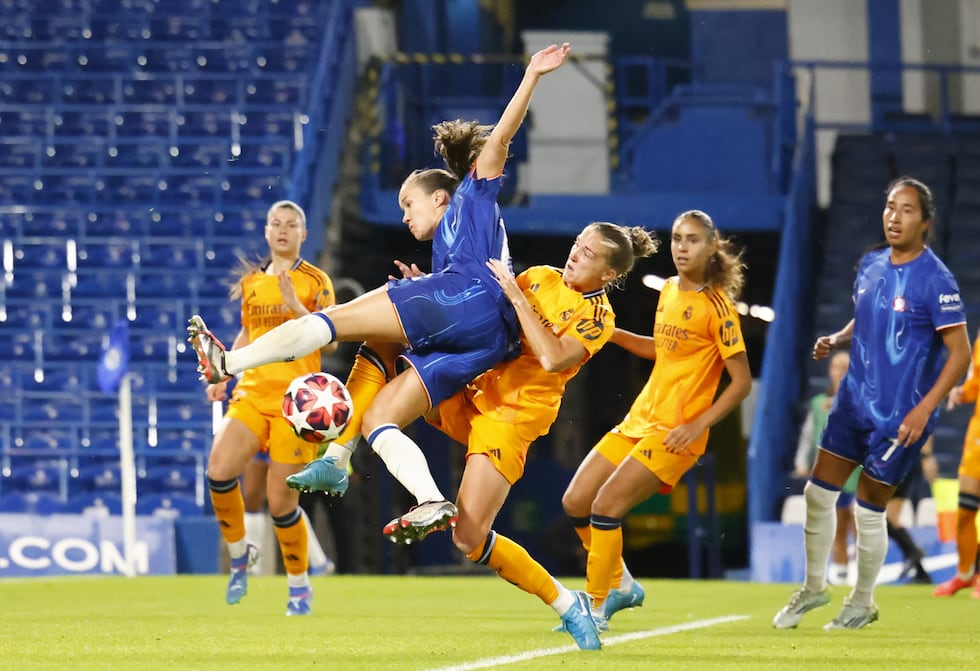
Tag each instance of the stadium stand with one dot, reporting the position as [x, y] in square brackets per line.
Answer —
[140, 144]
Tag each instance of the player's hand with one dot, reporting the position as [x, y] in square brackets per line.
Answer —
[955, 397]
[823, 347]
[911, 428]
[549, 58]
[681, 436]
[407, 271]
[505, 279]
[217, 391]
[288, 291]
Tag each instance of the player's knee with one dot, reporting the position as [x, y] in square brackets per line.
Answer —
[574, 503]
[819, 497]
[469, 538]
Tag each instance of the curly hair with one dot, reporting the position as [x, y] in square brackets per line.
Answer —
[459, 144]
[726, 269]
[623, 246]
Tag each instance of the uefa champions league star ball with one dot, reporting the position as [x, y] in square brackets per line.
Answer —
[317, 406]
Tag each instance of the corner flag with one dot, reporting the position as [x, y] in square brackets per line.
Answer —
[115, 358]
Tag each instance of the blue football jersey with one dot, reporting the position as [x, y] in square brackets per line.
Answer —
[472, 230]
[897, 349]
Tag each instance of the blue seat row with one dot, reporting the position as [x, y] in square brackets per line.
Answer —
[175, 89]
[160, 504]
[241, 222]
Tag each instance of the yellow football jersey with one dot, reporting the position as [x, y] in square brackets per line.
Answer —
[694, 332]
[520, 391]
[262, 310]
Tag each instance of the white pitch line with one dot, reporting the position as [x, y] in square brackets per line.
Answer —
[612, 640]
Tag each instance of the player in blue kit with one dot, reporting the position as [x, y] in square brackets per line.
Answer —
[907, 310]
[455, 321]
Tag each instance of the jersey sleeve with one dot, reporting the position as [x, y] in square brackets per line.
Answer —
[593, 325]
[946, 306]
[726, 326]
[325, 296]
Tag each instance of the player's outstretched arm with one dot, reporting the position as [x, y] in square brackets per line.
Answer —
[491, 161]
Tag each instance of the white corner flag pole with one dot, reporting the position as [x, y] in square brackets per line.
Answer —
[127, 471]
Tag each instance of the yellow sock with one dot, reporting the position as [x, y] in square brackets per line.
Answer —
[513, 563]
[363, 383]
[584, 535]
[966, 539]
[229, 509]
[605, 558]
[293, 542]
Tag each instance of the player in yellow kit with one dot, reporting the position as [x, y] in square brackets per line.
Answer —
[282, 287]
[565, 319]
[696, 335]
[969, 486]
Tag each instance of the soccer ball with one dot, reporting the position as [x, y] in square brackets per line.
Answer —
[317, 406]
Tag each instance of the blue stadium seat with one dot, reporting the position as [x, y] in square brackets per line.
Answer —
[40, 283]
[204, 122]
[44, 437]
[54, 408]
[95, 504]
[145, 153]
[64, 223]
[26, 316]
[32, 503]
[165, 284]
[216, 89]
[107, 284]
[117, 221]
[258, 125]
[81, 89]
[97, 316]
[99, 478]
[170, 479]
[205, 153]
[174, 504]
[40, 255]
[40, 476]
[77, 346]
[27, 121]
[93, 122]
[20, 153]
[117, 254]
[155, 347]
[146, 89]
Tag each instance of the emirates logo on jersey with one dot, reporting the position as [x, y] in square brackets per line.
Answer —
[899, 304]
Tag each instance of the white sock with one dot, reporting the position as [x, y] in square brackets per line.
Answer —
[819, 531]
[406, 462]
[626, 582]
[342, 451]
[564, 601]
[290, 340]
[298, 580]
[238, 548]
[256, 527]
[872, 546]
[317, 557]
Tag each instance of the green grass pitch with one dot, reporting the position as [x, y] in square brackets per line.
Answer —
[421, 623]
